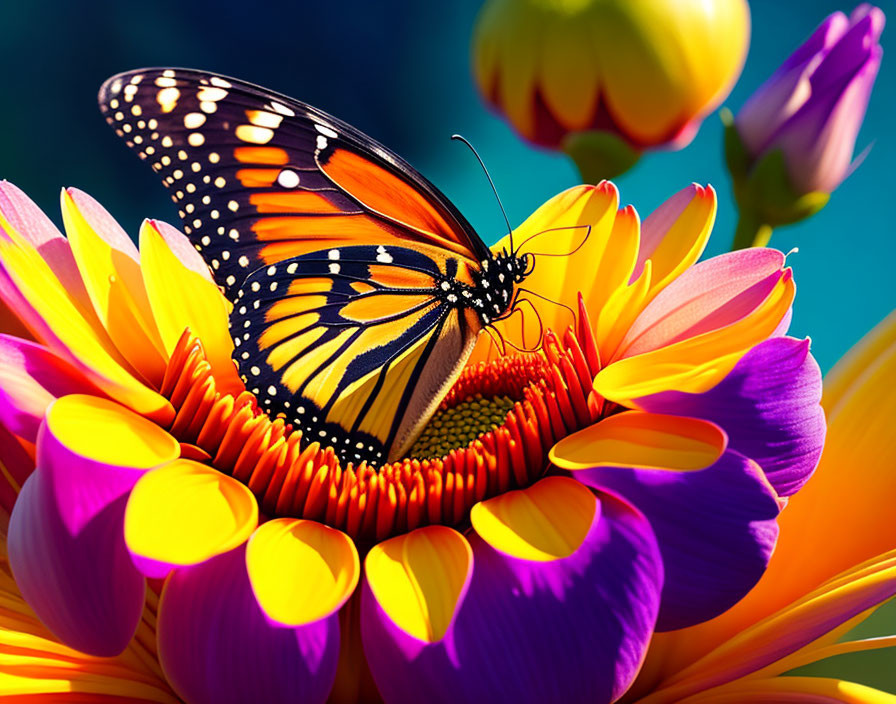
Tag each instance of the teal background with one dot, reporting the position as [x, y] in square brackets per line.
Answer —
[400, 71]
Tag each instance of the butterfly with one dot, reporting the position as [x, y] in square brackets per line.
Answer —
[358, 288]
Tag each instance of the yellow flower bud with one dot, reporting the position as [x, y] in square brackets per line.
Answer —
[646, 71]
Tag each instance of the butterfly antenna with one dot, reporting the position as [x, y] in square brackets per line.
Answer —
[463, 139]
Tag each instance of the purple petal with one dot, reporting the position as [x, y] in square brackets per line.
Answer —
[217, 647]
[715, 527]
[571, 630]
[769, 407]
[31, 377]
[82, 586]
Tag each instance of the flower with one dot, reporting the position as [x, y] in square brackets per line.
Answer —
[792, 142]
[676, 419]
[833, 568]
[605, 80]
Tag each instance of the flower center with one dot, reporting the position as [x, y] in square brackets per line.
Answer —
[491, 434]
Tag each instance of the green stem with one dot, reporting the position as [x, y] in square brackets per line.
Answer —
[751, 232]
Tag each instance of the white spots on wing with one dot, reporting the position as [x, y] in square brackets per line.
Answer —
[334, 268]
[210, 95]
[196, 139]
[383, 256]
[220, 182]
[254, 371]
[168, 73]
[234, 234]
[445, 286]
[214, 157]
[116, 86]
[256, 287]
[195, 166]
[231, 280]
[233, 206]
[273, 286]
[254, 134]
[288, 179]
[272, 390]
[220, 82]
[167, 141]
[136, 110]
[264, 119]
[272, 270]
[326, 131]
[333, 254]
[291, 268]
[215, 214]
[321, 142]
[166, 160]
[243, 261]
[194, 120]
[167, 98]
[282, 109]
[177, 173]
[164, 81]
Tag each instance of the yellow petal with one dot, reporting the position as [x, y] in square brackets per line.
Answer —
[184, 513]
[663, 64]
[698, 363]
[674, 236]
[419, 578]
[792, 690]
[301, 571]
[180, 299]
[67, 333]
[103, 431]
[570, 237]
[568, 74]
[546, 521]
[643, 440]
[115, 287]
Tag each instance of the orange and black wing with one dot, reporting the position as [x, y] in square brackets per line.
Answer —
[259, 177]
[355, 345]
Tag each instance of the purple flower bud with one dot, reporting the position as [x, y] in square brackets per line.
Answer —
[812, 107]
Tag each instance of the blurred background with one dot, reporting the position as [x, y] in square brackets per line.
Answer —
[400, 71]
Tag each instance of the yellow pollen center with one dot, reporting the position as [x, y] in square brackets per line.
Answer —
[456, 427]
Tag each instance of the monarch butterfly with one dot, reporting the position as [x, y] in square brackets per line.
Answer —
[358, 288]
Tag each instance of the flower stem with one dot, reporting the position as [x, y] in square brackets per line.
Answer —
[751, 232]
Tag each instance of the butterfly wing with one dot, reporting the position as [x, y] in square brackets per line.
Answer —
[259, 177]
[357, 345]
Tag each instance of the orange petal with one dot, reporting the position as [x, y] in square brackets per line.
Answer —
[419, 579]
[792, 690]
[301, 571]
[181, 298]
[642, 440]
[115, 287]
[547, 521]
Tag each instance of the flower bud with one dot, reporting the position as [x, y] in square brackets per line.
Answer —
[605, 79]
[792, 142]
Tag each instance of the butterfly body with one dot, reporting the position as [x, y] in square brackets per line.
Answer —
[358, 288]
